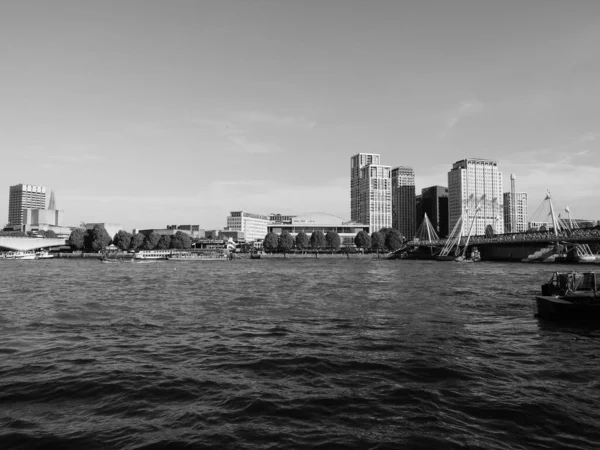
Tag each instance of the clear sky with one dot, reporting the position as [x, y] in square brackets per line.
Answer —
[148, 113]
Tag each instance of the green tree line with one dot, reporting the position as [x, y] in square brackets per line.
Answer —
[97, 239]
[387, 239]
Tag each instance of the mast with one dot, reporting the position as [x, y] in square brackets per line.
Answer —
[426, 219]
[451, 238]
[554, 221]
[460, 231]
[471, 229]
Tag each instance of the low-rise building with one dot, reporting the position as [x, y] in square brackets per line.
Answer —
[308, 223]
[253, 225]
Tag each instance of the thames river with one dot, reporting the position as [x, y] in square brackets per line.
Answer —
[299, 354]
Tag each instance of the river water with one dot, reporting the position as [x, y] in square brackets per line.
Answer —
[271, 354]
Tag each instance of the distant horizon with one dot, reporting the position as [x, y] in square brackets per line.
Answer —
[144, 112]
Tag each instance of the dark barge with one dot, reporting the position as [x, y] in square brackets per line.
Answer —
[570, 296]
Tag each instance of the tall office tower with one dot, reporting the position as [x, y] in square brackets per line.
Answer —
[357, 163]
[475, 191]
[419, 209]
[403, 201]
[515, 209]
[23, 196]
[435, 204]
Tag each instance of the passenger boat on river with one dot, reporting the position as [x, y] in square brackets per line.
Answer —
[196, 256]
[570, 296]
[20, 255]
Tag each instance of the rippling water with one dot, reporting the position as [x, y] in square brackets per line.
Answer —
[277, 354]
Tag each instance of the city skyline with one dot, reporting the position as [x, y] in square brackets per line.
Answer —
[146, 114]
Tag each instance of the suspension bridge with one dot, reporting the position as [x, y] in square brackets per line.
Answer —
[560, 236]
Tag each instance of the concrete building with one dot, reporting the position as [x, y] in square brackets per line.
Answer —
[476, 184]
[254, 226]
[51, 217]
[515, 209]
[370, 191]
[21, 197]
[281, 218]
[308, 223]
[404, 212]
[434, 202]
[193, 231]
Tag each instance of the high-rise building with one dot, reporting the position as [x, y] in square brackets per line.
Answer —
[475, 192]
[403, 201]
[515, 209]
[370, 191]
[52, 201]
[23, 196]
[254, 226]
[357, 163]
[419, 209]
[434, 202]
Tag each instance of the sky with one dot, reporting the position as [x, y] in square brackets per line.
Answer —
[149, 113]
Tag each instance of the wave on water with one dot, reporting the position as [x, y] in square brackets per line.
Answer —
[311, 354]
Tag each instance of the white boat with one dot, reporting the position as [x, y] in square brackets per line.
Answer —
[198, 256]
[44, 254]
[153, 254]
[26, 255]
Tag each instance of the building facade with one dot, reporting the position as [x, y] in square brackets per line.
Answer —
[23, 196]
[475, 192]
[370, 191]
[515, 209]
[282, 218]
[50, 217]
[357, 163]
[253, 225]
[308, 223]
[404, 212]
[434, 202]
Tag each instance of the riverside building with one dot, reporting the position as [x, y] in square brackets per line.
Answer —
[403, 201]
[473, 184]
[311, 222]
[253, 225]
[515, 209]
[21, 197]
[370, 191]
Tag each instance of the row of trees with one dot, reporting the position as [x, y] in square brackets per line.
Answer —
[386, 239]
[97, 239]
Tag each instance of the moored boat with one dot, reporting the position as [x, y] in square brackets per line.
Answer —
[44, 254]
[186, 256]
[21, 255]
[570, 296]
[153, 254]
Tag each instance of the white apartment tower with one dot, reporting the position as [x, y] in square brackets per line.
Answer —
[515, 209]
[254, 226]
[475, 190]
[370, 191]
